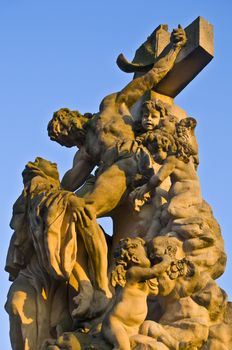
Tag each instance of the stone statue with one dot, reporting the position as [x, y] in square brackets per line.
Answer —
[131, 273]
[151, 286]
[107, 139]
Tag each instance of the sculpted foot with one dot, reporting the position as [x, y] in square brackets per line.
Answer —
[99, 304]
[83, 301]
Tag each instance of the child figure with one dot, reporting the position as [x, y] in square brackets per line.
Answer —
[177, 153]
[135, 279]
[155, 116]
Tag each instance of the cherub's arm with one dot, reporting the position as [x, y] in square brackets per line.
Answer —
[138, 274]
[166, 170]
[77, 175]
[137, 87]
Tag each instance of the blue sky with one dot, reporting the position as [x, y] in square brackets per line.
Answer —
[57, 53]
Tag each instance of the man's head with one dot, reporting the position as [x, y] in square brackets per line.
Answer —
[68, 127]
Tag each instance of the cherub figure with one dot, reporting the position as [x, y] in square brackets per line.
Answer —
[155, 117]
[177, 153]
[155, 114]
[135, 279]
[184, 323]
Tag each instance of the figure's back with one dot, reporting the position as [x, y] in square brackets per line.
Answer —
[114, 123]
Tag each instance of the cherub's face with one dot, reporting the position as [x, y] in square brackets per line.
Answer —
[158, 248]
[165, 284]
[150, 118]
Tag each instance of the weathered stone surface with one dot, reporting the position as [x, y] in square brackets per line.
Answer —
[152, 285]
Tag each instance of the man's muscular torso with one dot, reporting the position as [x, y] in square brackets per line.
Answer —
[112, 125]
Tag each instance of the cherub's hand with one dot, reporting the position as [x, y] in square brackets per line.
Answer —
[139, 192]
[139, 196]
[164, 261]
[178, 36]
[83, 211]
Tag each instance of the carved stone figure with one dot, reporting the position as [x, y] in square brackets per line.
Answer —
[107, 139]
[41, 258]
[167, 246]
[133, 275]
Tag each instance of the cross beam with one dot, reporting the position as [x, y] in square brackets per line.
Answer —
[192, 59]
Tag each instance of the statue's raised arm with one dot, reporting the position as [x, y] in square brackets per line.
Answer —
[137, 87]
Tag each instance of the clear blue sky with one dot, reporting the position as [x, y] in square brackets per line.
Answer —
[57, 53]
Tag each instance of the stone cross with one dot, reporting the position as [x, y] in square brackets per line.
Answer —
[192, 59]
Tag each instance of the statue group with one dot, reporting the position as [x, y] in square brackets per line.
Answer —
[151, 286]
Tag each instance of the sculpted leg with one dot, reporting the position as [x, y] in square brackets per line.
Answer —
[143, 342]
[116, 335]
[111, 185]
[157, 331]
[183, 205]
[184, 197]
[92, 301]
[85, 295]
[96, 247]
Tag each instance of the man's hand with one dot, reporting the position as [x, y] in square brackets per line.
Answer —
[178, 37]
[83, 212]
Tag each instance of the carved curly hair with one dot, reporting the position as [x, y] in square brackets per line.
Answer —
[185, 149]
[123, 256]
[175, 142]
[126, 250]
[65, 123]
[160, 106]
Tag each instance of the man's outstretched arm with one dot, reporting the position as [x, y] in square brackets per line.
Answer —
[137, 87]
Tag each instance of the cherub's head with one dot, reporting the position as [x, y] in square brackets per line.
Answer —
[179, 266]
[186, 140]
[165, 245]
[68, 127]
[131, 251]
[152, 112]
[173, 138]
[161, 144]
